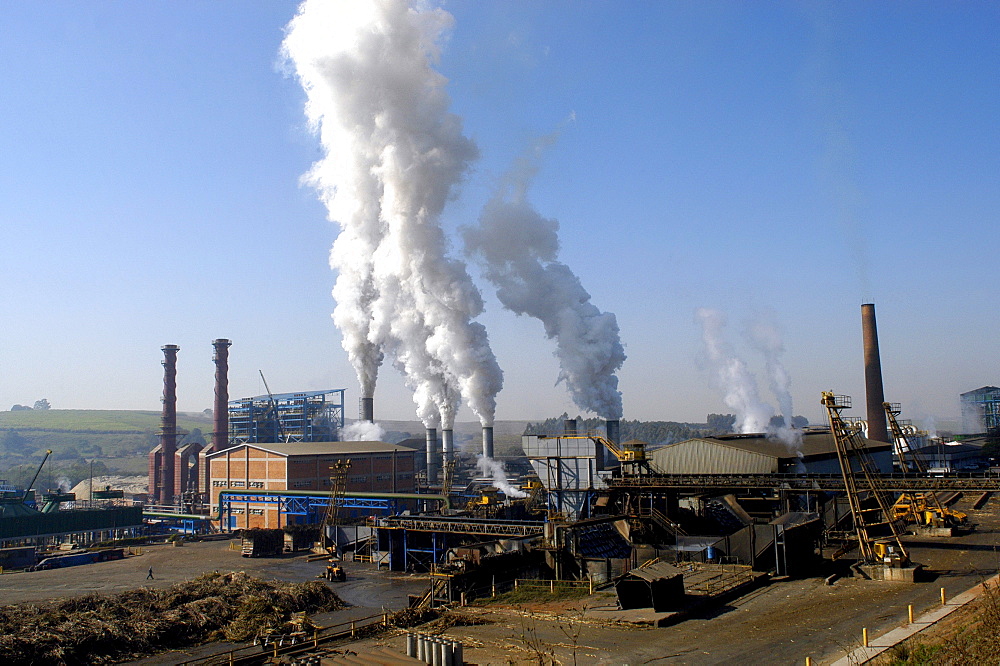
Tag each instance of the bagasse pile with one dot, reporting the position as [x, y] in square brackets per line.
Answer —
[97, 629]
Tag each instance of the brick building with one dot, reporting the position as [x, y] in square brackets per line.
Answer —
[302, 467]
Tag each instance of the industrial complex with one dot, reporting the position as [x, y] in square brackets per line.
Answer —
[648, 521]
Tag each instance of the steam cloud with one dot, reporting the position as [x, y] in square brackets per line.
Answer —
[362, 431]
[393, 156]
[732, 375]
[741, 394]
[518, 250]
[494, 468]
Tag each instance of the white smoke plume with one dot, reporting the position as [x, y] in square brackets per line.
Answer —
[394, 154]
[518, 250]
[494, 469]
[732, 375]
[765, 336]
[362, 431]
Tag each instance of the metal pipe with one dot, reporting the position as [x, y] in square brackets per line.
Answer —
[488, 441]
[168, 424]
[368, 409]
[877, 429]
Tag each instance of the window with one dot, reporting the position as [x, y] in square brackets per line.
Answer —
[256, 512]
[255, 484]
[238, 484]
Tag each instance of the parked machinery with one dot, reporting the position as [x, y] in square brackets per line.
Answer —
[923, 509]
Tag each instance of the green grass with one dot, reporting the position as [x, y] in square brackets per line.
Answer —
[94, 421]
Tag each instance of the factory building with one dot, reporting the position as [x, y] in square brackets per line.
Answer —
[759, 454]
[302, 466]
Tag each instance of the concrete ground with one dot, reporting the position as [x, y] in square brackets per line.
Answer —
[780, 623]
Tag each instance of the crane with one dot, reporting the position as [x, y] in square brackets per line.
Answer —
[48, 452]
[921, 508]
[861, 475]
[274, 408]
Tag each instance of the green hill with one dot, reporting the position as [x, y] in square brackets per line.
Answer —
[114, 441]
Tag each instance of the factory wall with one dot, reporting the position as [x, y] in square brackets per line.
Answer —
[250, 467]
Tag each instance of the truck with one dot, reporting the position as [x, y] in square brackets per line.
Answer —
[262, 542]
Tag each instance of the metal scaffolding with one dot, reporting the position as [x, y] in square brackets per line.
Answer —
[311, 416]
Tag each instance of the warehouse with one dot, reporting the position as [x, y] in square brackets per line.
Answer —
[760, 454]
[304, 466]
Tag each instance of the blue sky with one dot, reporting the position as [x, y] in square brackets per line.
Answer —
[784, 159]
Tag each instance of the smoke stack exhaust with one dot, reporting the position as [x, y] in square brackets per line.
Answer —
[368, 410]
[431, 454]
[168, 423]
[569, 427]
[877, 429]
[488, 441]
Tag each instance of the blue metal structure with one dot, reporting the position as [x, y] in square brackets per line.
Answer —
[302, 509]
[310, 416]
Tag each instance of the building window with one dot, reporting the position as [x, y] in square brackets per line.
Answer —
[255, 484]
[256, 512]
[238, 484]
[302, 484]
[219, 484]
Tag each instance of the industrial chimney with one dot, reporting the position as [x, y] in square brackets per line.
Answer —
[431, 454]
[447, 445]
[220, 438]
[569, 427]
[368, 410]
[612, 432]
[168, 424]
[488, 442]
[877, 429]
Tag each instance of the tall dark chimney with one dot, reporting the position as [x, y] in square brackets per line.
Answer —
[569, 427]
[168, 423]
[612, 431]
[220, 438]
[368, 409]
[877, 429]
[487, 441]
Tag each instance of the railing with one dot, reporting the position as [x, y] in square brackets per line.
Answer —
[283, 644]
[807, 482]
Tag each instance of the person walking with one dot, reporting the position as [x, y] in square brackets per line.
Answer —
[149, 576]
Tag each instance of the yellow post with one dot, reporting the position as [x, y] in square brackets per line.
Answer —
[315, 637]
[942, 596]
[909, 613]
[352, 628]
[552, 587]
[809, 661]
[864, 637]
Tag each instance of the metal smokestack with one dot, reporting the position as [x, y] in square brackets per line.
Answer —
[447, 445]
[168, 423]
[612, 432]
[877, 429]
[488, 441]
[569, 427]
[368, 409]
[431, 454]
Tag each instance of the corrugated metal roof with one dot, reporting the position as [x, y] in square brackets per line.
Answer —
[321, 448]
[813, 444]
